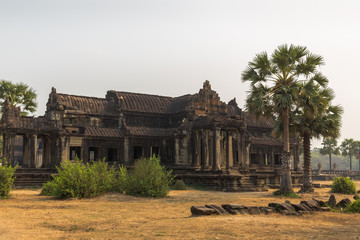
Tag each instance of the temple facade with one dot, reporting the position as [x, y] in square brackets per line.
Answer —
[203, 139]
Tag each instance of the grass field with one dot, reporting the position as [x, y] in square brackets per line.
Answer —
[115, 216]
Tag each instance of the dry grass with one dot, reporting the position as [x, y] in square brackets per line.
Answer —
[115, 216]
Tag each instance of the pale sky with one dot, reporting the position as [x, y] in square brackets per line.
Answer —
[171, 47]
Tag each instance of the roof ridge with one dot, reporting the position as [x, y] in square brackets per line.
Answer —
[72, 95]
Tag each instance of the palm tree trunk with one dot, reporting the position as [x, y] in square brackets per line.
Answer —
[285, 183]
[307, 178]
[330, 159]
[350, 162]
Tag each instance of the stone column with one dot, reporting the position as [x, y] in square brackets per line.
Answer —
[206, 149]
[197, 144]
[8, 147]
[126, 150]
[227, 154]
[217, 150]
[33, 150]
[26, 156]
[230, 150]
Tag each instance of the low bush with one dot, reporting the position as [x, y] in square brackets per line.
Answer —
[343, 185]
[6, 178]
[149, 179]
[290, 194]
[79, 180]
[353, 207]
[179, 185]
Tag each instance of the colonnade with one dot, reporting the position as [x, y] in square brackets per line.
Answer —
[214, 149]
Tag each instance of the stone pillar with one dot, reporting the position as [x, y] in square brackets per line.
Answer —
[239, 150]
[206, 148]
[177, 149]
[26, 156]
[8, 147]
[33, 150]
[126, 150]
[230, 154]
[217, 150]
[247, 155]
[197, 150]
[227, 154]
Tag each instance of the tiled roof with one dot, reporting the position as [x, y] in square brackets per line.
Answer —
[103, 132]
[153, 132]
[144, 102]
[264, 140]
[90, 105]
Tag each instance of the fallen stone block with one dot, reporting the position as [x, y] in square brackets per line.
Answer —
[281, 206]
[326, 209]
[312, 204]
[301, 207]
[202, 210]
[217, 208]
[253, 210]
[332, 201]
[356, 197]
[343, 203]
[320, 202]
[233, 208]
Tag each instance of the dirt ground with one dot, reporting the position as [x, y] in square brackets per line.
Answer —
[116, 216]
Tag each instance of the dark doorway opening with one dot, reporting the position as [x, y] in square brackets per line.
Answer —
[75, 152]
[112, 154]
[93, 153]
[138, 152]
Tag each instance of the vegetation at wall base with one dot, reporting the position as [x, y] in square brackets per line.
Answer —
[343, 185]
[179, 185]
[6, 178]
[149, 179]
[78, 180]
[353, 207]
[290, 194]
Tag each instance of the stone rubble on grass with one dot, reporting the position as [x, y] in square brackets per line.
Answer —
[286, 208]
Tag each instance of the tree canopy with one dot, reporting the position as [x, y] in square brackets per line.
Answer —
[19, 95]
[275, 86]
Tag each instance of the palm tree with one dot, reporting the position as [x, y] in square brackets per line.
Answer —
[329, 147]
[348, 149]
[357, 151]
[275, 83]
[19, 94]
[314, 117]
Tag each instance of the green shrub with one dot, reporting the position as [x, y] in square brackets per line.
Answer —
[343, 185]
[149, 179]
[122, 180]
[353, 207]
[179, 185]
[290, 194]
[6, 178]
[79, 180]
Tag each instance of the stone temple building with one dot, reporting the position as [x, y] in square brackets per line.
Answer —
[204, 140]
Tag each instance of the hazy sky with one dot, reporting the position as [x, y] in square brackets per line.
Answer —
[170, 47]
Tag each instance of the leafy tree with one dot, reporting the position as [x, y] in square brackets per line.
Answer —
[18, 94]
[275, 84]
[348, 149]
[314, 117]
[329, 147]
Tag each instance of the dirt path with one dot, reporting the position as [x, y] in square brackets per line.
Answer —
[115, 216]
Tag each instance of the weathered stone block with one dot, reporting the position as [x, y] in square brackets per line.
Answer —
[217, 208]
[301, 207]
[253, 210]
[343, 203]
[202, 210]
[312, 204]
[281, 206]
[332, 201]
